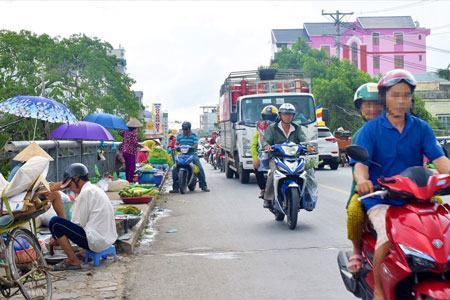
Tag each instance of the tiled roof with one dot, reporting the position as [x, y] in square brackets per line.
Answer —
[386, 22]
[288, 36]
[319, 29]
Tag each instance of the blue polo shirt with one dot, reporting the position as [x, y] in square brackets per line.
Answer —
[188, 140]
[396, 151]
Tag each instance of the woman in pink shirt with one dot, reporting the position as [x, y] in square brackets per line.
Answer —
[130, 147]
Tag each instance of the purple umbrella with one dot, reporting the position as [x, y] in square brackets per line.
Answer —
[82, 130]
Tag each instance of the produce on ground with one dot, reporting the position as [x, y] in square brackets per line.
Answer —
[137, 191]
[128, 210]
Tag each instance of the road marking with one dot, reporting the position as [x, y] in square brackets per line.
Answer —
[334, 189]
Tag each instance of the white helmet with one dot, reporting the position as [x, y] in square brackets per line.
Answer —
[287, 108]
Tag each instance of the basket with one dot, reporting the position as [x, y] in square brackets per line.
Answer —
[150, 177]
[162, 167]
[137, 200]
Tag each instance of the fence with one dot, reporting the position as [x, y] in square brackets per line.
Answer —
[65, 153]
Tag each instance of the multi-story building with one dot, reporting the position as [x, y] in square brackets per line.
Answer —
[374, 44]
[208, 119]
[119, 53]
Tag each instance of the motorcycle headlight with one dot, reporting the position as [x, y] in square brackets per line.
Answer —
[417, 260]
[290, 150]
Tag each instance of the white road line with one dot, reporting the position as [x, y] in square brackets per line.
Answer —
[334, 189]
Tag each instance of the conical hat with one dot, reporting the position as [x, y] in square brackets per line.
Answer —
[134, 123]
[30, 151]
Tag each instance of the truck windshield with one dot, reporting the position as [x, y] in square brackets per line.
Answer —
[251, 108]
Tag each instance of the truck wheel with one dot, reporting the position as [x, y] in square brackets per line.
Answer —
[244, 175]
[228, 172]
[334, 165]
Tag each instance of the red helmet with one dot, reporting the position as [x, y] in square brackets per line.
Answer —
[395, 76]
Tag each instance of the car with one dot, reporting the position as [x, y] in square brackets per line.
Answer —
[328, 149]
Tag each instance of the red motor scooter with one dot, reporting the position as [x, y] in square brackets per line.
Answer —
[418, 265]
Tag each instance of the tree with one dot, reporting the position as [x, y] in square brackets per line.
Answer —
[77, 71]
[444, 73]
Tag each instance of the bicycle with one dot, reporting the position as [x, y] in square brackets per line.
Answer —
[22, 263]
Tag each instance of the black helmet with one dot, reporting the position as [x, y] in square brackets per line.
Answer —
[186, 125]
[75, 170]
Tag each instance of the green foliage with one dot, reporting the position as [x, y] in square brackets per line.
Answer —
[444, 73]
[77, 71]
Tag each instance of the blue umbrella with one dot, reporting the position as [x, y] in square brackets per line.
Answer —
[38, 108]
[107, 120]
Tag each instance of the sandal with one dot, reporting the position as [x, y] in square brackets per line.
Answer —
[355, 263]
[65, 266]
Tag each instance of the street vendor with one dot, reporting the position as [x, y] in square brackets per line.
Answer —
[34, 150]
[142, 156]
[130, 147]
[92, 227]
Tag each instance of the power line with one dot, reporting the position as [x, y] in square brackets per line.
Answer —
[408, 5]
[337, 17]
[388, 38]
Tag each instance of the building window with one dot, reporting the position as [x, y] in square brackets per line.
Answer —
[355, 54]
[375, 38]
[376, 62]
[444, 121]
[398, 62]
[326, 49]
[420, 36]
[420, 57]
[398, 37]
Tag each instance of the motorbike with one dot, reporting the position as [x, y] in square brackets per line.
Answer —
[207, 152]
[212, 157]
[187, 170]
[289, 181]
[220, 158]
[418, 265]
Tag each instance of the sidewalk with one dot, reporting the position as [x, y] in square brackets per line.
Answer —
[108, 280]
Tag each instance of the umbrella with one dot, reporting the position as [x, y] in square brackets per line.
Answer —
[82, 130]
[38, 108]
[107, 120]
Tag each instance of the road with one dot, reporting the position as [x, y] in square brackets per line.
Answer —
[224, 245]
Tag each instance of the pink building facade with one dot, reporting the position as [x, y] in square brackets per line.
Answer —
[374, 44]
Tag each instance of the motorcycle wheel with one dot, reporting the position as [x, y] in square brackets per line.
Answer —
[191, 187]
[293, 200]
[182, 179]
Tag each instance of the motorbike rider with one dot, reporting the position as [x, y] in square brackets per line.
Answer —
[368, 104]
[269, 115]
[277, 133]
[189, 138]
[396, 140]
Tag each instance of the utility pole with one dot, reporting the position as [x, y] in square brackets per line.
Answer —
[337, 17]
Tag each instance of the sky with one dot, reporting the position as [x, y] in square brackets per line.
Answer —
[180, 52]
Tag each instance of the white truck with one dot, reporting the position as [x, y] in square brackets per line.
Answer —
[243, 95]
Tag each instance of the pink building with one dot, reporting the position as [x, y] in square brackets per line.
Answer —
[375, 44]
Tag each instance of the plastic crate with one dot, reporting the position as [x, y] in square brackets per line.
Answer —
[150, 177]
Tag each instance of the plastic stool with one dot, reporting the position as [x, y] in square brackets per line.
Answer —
[96, 256]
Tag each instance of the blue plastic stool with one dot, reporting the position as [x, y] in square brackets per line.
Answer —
[96, 256]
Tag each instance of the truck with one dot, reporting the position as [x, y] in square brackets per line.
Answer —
[243, 95]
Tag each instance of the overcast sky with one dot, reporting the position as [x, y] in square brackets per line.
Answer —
[179, 53]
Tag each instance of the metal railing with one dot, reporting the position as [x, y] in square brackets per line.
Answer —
[65, 153]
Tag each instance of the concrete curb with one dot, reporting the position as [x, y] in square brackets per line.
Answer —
[128, 246]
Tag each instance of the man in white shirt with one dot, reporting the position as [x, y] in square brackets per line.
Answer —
[93, 226]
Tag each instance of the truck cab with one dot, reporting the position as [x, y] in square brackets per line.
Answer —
[243, 96]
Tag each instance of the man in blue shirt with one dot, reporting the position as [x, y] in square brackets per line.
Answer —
[190, 139]
[396, 140]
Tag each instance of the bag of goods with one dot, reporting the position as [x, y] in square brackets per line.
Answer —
[117, 185]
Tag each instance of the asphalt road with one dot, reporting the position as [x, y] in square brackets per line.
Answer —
[224, 245]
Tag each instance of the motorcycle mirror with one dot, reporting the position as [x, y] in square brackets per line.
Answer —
[357, 153]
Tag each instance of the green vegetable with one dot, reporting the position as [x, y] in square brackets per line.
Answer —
[128, 210]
